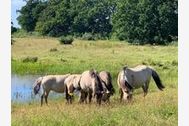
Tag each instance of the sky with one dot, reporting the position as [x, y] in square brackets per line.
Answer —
[16, 5]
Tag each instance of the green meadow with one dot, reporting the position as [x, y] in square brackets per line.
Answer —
[157, 108]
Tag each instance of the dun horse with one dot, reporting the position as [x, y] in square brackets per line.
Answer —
[106, 81]
[90, 85]
[72, 83]
[48, 83]
[133, 78]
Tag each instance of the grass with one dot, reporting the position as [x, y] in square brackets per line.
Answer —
[158, 108]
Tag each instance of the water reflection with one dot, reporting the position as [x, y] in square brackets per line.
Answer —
[22, 89]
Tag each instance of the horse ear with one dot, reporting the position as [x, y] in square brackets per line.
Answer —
[38, 81]
[125, 67]
[93, 74]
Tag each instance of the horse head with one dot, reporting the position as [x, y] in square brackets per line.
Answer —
[37, 85]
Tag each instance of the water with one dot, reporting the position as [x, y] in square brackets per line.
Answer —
[22, 89]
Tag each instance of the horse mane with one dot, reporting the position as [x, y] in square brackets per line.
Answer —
[92, 72]
[38, 85]
[127, 84]
[99, 83]
[79, 88]
[125, 67]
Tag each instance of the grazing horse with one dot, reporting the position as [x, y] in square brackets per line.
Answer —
[133, 78]
[108, 88]
[72, 83]
[48, 83]
[90, 84]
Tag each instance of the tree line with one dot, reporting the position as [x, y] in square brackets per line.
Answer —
[137, 21]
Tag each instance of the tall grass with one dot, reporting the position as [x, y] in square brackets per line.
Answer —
[157, 108]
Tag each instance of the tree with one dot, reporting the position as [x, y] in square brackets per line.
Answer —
[56, 19]
[30, 13]
[13, 29]
[75, 17]
[93, 16]
[146, 21]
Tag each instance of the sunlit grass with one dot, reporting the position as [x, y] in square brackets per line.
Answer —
[157, 108]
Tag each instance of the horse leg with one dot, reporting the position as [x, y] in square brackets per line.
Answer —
[98, 98]
[70, 93]
[145, 88]
[85, 97]
[70, 98]
[121, 94]
[82, 96]
[46, 96]
[42, 99]
[90, 96]
[67, 96]
[108, 101]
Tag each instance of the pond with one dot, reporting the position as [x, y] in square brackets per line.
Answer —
[22, 89]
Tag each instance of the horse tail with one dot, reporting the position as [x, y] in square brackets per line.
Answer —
[37, 87]
[157, 80]
[99, 85]
[118, 79]
[79, 83]
[110, 84]
[112, 88]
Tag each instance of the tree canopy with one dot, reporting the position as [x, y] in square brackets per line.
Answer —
[136, 21]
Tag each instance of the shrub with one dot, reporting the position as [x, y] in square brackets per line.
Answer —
[53, 49]
[174, 63]
[30, 59]
[88, 36]
[66, 40]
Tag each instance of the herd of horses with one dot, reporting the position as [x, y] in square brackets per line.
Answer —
[98, 85]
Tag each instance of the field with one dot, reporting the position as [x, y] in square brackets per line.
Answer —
[157, 108]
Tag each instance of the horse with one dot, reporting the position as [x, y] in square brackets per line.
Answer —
[48, 83]
[134, 78]
[90, 84]
[72, 83]
[106, 81]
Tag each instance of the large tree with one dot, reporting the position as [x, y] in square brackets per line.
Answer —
[93, 16]
[30, 13]
[76, 17]
[56, 19]
[146, 21]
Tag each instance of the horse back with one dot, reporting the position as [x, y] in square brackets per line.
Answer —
[105, 76]
[90, 81]
[86, 80]
[107, 79]
[139, 75]
[54, 82]
[73, 80]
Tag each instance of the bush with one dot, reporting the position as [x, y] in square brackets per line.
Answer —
[53, 49]
[88, 36]
[13, 29]
[20, 33]
[66, 40]
[30, 59]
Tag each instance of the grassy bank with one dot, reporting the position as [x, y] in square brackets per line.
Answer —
[82, 55]
[158, 108]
